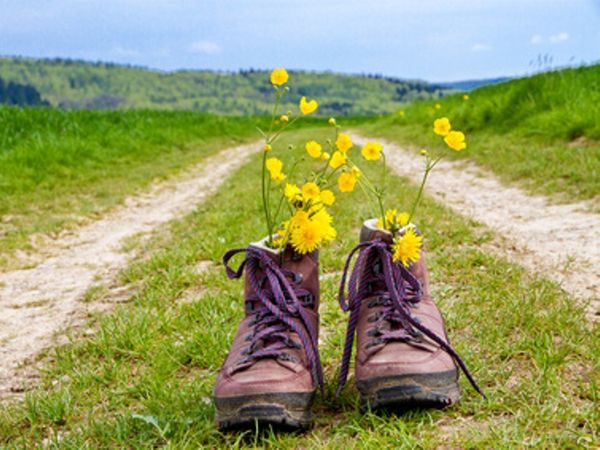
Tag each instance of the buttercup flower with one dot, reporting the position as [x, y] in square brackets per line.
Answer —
[332, 121]
[274, 167]
[338, 159]
[407, 248]
[313, 148]
[343, 142]
[284, 118]
[424, 152]
[308, 107]
[279, 76]
[371, 151]
[346, 182]
[355, 172]
[441, 126]
[325, 156]
[310, 191]
[267, 148]
[456, 140]
[403, 218]
[327, 197]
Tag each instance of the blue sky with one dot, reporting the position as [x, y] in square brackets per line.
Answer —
[429, 39]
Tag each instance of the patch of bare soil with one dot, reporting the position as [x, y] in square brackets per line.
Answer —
[561, 242]
[37, 303]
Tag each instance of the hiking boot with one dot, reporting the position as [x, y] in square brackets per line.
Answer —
[273, 367]
[403, 357]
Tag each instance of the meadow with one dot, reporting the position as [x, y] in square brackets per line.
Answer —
[142, 374]
[541, 131]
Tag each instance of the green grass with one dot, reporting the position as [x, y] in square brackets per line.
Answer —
[543, 131]
[58, 168]
[144, 379]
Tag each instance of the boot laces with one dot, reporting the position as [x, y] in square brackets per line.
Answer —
[277, 308]
[395, 288]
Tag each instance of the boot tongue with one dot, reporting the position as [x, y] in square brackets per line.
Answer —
[370, 231]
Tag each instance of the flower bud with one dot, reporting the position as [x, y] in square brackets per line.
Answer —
[267, 148]
[424, 152]
[286, 89]
[284, 119]
[332, 121]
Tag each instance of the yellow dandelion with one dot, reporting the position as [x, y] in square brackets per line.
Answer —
[456, 140]
[292, 192]
[324, 220]
[327, 197]
[441, 126]
[313, 148]
[310, 191]
[338, 159]
[343, 142]
[346, 182]
[306, 237]
[279, 76]
[372, 151]
[390, 217]
[308, 107]
[407, 248]
[299, 218]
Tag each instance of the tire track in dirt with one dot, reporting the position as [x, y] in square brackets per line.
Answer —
[37, 303]
[561, 242]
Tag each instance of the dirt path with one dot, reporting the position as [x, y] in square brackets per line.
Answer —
[562, 242]
[37, 303]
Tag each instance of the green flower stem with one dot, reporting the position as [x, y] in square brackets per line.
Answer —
[429, 165]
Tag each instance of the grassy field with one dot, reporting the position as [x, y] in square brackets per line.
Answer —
[144, 377]
[542, 131]
[58, 168]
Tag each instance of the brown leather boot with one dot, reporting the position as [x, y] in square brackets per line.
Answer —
[273, 368]
[403, 357]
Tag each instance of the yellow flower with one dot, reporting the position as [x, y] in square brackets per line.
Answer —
[456, 140]
[403, 218]
[407, 248]
[279, 76]
[337, 160]
[371, 151]
[274, 167]
[267, 147]
[313, 148]
[466, 97]
[343, 142]
[324, 220]
[308, 107]
[310, 191]
[401, 113]
[327, 197]
[292, 192]
[306, 237]
[390, 219]
[355, 172]
[284, 119]
[299, 218]
[346, 182]
[424, 152]
[441, 126]
[332, 121]
[325, 156]
[438, 106]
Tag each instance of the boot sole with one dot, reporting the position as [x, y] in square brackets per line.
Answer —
[402, 392]
[289, 411]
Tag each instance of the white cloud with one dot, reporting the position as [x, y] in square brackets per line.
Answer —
[536, 39]
[563, 36]
[205, 47]
[560, 37]
[480, 48]
[123, 52]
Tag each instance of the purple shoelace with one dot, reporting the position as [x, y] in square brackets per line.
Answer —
[397, 290]
[277, 308]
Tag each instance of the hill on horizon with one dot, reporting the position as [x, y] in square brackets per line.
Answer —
[86, 85]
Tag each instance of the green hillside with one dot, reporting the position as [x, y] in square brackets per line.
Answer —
[78, 84]
[543, 130]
